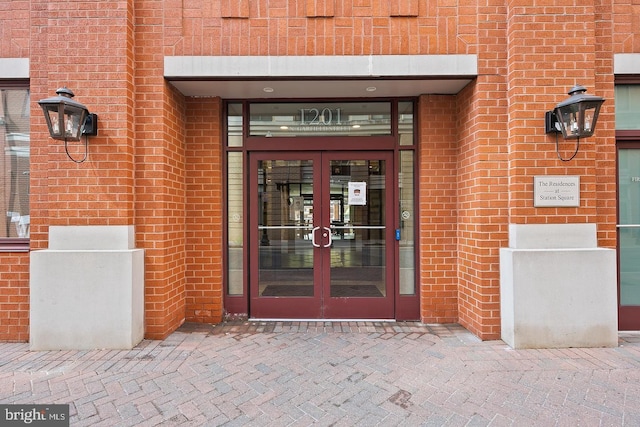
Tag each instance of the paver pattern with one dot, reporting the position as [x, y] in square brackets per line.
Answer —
[250, 373]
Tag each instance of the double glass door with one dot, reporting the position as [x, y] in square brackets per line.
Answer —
[322, 235]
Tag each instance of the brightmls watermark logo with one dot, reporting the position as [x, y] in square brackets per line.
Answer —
[34, 415]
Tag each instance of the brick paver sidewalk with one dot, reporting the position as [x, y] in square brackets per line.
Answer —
[330, 374]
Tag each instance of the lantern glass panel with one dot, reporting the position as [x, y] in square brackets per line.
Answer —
[73, 121]
[53, 121]
[578, 120]
[569, 118]
[589, 118]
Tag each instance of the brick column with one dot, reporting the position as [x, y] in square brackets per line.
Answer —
[552, 246]
[85, 46]
[205, 207]
[438, 208]
[482, 179]
[160, 174]
[560, 52]
[85, 191]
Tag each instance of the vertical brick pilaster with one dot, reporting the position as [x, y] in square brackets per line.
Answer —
[539, 78]
[85, 46]
[606, 178]
[204, 211]
[438, 209]
[482, 179]
[66, 46]
[160, 177]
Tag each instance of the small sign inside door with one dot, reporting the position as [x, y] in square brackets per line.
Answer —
[297, 205]
[357, 193]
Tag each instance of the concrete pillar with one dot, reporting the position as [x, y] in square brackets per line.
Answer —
[87, 290]
[557, 288]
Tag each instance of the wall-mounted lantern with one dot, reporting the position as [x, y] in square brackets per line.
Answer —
[68, 120]
[575, 117]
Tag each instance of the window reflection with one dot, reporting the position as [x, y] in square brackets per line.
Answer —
[14, 163]
[627, 99]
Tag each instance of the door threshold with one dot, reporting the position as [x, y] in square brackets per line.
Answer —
[253, 319]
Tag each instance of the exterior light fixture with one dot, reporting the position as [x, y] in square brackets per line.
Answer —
[575, 117]
[68, 120]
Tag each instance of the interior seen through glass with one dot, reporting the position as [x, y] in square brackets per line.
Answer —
[292, 244]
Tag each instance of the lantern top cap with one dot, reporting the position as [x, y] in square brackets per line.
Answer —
[577, 89]
[579, 96]
[63, 96]
[66, 92]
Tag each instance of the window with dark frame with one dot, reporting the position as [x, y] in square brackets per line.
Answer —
[15, 219]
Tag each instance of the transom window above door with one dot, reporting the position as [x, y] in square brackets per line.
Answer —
[320, 119]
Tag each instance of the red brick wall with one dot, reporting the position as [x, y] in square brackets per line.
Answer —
[160, 202]
[14, 28]
[605, 156]
[482, 169]
[14, 297]
[438, 209]
[160, 171]
[86, 47]
[349, 27]
[482, 204]
[624, 17]
[156, 163]
[204, 211]
[14, 267]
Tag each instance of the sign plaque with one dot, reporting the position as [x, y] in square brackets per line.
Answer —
[556, 191]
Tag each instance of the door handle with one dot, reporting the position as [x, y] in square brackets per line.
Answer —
[328, 230]
[313, 237]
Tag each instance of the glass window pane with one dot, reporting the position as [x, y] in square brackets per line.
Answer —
[627, 99]
[405, 123]
[629, 230]
[629, 186]
[235, 229]
[407, 224]
[320, 119]
[358, 246]
[629, 266]
[234, 125]
[14, 163]
[285, 228]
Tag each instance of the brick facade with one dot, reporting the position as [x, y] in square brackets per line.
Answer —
[157, 162]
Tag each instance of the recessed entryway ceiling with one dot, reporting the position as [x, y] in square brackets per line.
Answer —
[243, 89]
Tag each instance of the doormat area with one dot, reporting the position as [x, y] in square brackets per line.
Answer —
[288, 291]
[307, 291]
[355, 291]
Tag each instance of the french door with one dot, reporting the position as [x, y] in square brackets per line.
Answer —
[322, 235]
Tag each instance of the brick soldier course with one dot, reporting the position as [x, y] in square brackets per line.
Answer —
[323, 373]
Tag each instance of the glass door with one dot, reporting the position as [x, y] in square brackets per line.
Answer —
[629, 238]
[321, 235]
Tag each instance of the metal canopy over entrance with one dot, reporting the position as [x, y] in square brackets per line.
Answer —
[253, 77]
